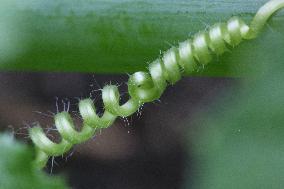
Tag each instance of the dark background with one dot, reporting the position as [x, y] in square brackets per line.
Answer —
[148, 150]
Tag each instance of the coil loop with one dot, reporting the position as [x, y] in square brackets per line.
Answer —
[145, 87]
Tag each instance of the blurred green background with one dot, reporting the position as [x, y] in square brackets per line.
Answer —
[241, 142]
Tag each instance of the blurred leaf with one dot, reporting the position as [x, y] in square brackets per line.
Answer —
[242, 141]
[118, 36]
[17, 171]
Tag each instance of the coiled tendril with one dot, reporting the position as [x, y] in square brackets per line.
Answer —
[148, 86]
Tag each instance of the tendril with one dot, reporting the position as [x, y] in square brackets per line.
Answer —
[146, 87]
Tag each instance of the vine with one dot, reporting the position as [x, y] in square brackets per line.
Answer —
[145, 87]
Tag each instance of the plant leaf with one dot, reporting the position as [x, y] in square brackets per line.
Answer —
[118, 36]
[17, 170]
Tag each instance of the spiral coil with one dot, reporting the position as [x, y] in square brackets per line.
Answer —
[148, 86]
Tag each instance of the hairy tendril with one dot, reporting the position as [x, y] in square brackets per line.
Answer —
[145, 87]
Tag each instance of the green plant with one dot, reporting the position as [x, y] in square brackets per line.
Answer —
[145, 87]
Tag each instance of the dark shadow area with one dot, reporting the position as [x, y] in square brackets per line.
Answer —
[148, 150]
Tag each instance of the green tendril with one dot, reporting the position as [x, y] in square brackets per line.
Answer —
[262, 15]
[146, 87]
